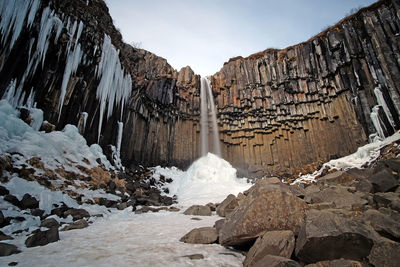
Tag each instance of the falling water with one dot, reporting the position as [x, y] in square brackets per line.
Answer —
[206, 93]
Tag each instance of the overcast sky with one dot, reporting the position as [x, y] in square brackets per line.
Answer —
[206, 33]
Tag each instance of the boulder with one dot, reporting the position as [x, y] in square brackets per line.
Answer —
[383, 181]
[387, 200]
[77, 214]
[47, 127]
[29, 202]
[203, 235]
[364, 186]
[227, 206]
[8, 249]
[198, 210]
[393, 164]
[340, 196]
[267, 207]
[336, 263]
[41, 238]
[49, 223]
[3, 191]
[278, 243]
[3, 236]
[218, 224]
[338, 177]
[275, 261]
[80, 224]
[385, 254]
[327, 236]
[383, 224]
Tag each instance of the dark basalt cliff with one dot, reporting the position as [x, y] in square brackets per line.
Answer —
[278, 109]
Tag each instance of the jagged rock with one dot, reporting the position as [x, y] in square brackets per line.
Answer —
[383, 224]
[278, 243]
[213, 206]
[80, 224]
[49, 223]
[218, 224]
[12, 199]
[364, 186]
[29, 202]
[227, 206]
[327, 236]
[383, 181]
[394, 164]
[388, 200]
[340, 196]
[77, 214]
[147, 209]
[336, 263]
[385, 254]
[198, 210]
[8, 249]
[37, 212]
[275, 261]
[41, 238]
[203, 235]
[3, 191]
[338, 177]
[267, 207]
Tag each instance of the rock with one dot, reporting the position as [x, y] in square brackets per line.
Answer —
[336, 263]
[3, 191]
[29, 202]
[37, 212]
[8, 249]
[278, 243]
[385, 254]
[47, 127]
[12, 199]
[77, 214]
[267, 207]
[275, 261]
[340, 196]
[49, 223]
[327, 236]
[218, 224]
[122, 206]
[388, 200]
[227, 206]
[338, 177]
[212, 206]
[383, 181]
[393, 164]
[80, 224]
[383, 224]
[203, 235]
[1, 219]
[194, 256]
[364, 186]
[198, 210]
[13, 263]
[41, 238]
[147, 209]
[5, 237]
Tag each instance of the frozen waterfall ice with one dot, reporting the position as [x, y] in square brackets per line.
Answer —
[207, 108]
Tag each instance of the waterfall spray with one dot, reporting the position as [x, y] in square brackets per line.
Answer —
[205, 106]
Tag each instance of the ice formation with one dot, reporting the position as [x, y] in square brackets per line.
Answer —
[208, 179]
[115, 86]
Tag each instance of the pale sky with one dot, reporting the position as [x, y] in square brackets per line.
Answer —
[206, 33]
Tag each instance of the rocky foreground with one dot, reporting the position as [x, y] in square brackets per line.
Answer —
[346, 218]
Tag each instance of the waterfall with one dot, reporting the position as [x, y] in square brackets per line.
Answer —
[205, 107]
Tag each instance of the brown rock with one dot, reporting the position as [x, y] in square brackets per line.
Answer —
[77, 214]
[80, 224]
[275, 261]
[278, 243]
[267, 207]
[338, 177]
[203, 235]
[340, 196]
[385, 254]
[47, 127]
[327, 236]
[198, 210]
[336, 263]
[41, 238]
[227, 206]
[383, 224]
[383, 181]
[8, 249]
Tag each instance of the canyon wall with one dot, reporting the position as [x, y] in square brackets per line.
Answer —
[278, 110]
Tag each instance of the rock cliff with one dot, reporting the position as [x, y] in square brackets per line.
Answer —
[277, 110]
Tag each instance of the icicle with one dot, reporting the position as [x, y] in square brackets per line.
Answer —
[376, 121]
[119, 136]
[37, 118]
[381, 101]
[31, 99]
[10, 92]
[82, 122]
[114, 86]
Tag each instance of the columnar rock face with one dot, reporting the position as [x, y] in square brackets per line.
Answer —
[281, 109]
[277, 109]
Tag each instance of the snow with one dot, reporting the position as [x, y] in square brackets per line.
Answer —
[115, 86]
[208, 179]
[376, 121]
[363, 156]
[125, 239]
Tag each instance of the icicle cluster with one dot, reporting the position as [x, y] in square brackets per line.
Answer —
[115, 86]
